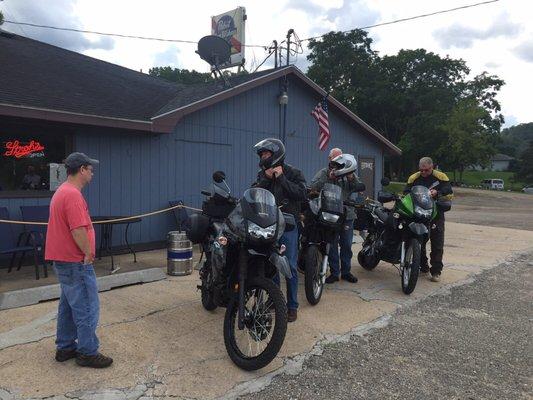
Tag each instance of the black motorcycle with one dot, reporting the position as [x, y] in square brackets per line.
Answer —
[396, 235]
[239, 239]
[323, 219]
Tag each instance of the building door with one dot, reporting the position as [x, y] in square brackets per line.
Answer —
[367, 174]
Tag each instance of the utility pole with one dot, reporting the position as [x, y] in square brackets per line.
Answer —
[275, 48]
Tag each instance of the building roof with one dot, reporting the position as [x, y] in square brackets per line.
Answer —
[42, 81]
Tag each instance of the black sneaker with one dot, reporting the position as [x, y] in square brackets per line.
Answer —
[349, 278]
[332, 279]
[424, 269]
[97, 361]
[64, 355]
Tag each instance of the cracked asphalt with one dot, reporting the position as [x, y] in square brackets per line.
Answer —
[471, 342]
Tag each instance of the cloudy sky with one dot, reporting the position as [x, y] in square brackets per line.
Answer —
[497, 37]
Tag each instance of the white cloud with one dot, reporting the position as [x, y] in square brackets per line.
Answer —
[463, 36]
[525, 51]
[167, 57]
[492, 65]
[54, 13]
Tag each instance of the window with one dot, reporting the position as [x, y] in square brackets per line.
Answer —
[28, 155]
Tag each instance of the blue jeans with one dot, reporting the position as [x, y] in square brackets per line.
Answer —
[290, 240]
[79, 308]
[344, 240]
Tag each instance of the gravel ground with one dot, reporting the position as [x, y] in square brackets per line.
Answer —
[468, 343]
[492, 208]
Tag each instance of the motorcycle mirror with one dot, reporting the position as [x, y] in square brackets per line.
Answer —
[385, 181]
[219, 176]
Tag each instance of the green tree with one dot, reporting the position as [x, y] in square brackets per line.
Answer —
[514, 140]
[1, 18]
[525, 172]
[343, 64]
[468, 137]
[407, 96]
[178, 75]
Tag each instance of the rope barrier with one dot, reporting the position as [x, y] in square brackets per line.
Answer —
[107, 221]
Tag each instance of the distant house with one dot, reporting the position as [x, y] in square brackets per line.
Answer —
[498, 162]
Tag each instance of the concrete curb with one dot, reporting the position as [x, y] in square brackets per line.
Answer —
[26, 297]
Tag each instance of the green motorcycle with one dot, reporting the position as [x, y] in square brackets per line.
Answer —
[396, 235]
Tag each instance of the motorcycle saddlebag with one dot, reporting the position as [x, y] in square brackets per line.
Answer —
[198, 229]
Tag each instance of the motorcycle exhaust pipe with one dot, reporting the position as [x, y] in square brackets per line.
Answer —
[402, 258]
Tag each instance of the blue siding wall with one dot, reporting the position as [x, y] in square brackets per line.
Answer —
[140, 173]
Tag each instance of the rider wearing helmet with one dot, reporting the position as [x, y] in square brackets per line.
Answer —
[287, 184]
[438, 183]
[341, 171]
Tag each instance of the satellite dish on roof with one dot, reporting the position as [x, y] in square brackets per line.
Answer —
[214, 50]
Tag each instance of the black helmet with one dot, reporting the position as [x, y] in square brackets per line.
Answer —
[276, 147]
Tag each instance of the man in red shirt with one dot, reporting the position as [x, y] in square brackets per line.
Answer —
[70, 244]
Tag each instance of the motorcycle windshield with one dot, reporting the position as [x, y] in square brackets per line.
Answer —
[331, 199]
[259, 206]
[422, 197]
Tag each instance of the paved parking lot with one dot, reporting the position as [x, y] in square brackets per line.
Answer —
[165, 345]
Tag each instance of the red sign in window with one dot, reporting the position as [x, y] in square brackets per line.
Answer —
[19, 150]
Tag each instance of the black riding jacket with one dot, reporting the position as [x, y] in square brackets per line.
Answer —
[288, 186]
[437, 180]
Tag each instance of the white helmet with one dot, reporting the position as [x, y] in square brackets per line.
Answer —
[344, 164]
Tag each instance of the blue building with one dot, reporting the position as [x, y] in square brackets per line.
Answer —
[156, 141]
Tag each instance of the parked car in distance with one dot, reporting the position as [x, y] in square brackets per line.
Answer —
[492, 184]
[528, 189]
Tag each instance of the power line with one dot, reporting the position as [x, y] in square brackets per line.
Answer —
[112, 34]
[411, 18]
[247, 45]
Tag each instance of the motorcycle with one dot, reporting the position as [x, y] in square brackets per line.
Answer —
[396, 235]
[239, 239]
[323, 220]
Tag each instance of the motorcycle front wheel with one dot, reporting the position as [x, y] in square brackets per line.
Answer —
[313, 280]
[411, 266]
[265, 325]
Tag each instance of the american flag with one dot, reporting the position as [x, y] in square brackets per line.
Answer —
[320, 113]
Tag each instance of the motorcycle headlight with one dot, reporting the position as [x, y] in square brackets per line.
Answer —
[328, 217]
[423, 213]
[257, 232]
